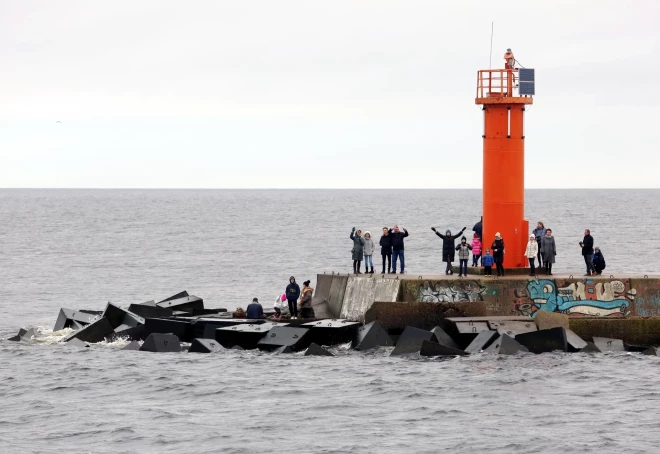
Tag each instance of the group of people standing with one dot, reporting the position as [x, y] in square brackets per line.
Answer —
[541, 247]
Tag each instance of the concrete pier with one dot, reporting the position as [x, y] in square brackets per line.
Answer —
[620, 306]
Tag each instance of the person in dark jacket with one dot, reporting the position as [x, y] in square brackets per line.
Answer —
[386, 249]
[587, 245]
[292, 295]
[254, 310]
[539, 233]
[478, 228]
[548, 251]
[498, 253]
[463, 256]
[448, 247]
[599, 261]
[306, 310]
[397, 248]
[358, 250]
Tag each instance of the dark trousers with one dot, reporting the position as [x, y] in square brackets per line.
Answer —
[398, 255]
[475, 259]
[539, 256]
[278, 311]
[293, 308]
[532, 269]
[462, 266]
[389, 261]
[488, 270]
[307, 312]
[356, 266]
[548, 267]
[589, 261]
[500, 268]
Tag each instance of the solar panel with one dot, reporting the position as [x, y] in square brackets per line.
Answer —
[526, 81]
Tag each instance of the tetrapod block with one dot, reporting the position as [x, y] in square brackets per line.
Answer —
[245, 335]
[544, 341]
[575, 342]
[186, 304]
[238, 347]
[67, 316]
[118, 316]
[506, 345]
[332, 332]
[77, 343]
[482, 341]
[161, 343]
[605, 344]
[128, 332]
[590, 348]
[513, 328]
[133, 345]
[204, 346]
[470, 327]
[317, 350]
[411, 340]
[444, 338]
[17, 338]
[205, 327]
[652, 351]
[94, 332]
[429, 348]
[370, 336]
[283, 349]
[174, 297]
[279, 336]
[149, 311]
[179, 328]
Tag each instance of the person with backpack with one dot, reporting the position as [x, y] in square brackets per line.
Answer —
[448, 247]
[463, 256]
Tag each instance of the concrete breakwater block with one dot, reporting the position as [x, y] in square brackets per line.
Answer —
[444, 338]
[282, 350]
[118, 317]
[513, 328]
[174, 297]
[161, 343]
[362, 291]
[544, 341]
[94, 332]
[210, 325]
[23, 335]
[605, 344]
[332, 332]
[128, 332]
[429, 348]
[370, 336]
[317, 350]
[547, 320]
[279, 336]
[179, 328]
[482, 341]
[133, 345]
[245, 336]
[77, 343]
[575, 342]
[411, 340]
[652, 351]
[506, 345]
[590, 348]
[68, 317]
[149, 311]
[184, 304]
[204, 346]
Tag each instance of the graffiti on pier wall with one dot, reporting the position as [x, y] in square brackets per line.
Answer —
[454, 292]
[588, 298]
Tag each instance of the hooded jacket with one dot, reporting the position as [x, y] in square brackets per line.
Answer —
[358, 246]
[599, 261]
[476, 245]
[369, 246]
[386, 244]
[306, 299]
[292, 290]
[449, 244]
[532, 248]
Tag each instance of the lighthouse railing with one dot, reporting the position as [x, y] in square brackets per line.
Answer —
[496, 83]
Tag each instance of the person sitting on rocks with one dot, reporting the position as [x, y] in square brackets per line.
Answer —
[254, 310]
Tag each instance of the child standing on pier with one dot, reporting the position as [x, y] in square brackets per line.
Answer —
[463, 256]
[476, 249]
[487, 261]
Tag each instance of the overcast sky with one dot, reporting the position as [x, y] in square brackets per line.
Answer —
[358, 94]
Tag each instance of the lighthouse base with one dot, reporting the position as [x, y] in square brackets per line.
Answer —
[479, 271]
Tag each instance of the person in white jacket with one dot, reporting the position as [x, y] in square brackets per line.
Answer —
[369, 248]
[281, 306]
[530, 252]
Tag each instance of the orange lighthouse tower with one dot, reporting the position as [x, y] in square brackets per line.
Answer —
[504, 94]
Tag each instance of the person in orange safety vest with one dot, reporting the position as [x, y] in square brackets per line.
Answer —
[509, 60]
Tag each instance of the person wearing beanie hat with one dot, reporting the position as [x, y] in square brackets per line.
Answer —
[531, 251]
[306, 310]
[463, 256]
[476, 249]
[292, 295]
[498, 253]
[599, 261]
[448, 247]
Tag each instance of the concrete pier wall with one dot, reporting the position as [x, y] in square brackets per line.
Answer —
[361, 292]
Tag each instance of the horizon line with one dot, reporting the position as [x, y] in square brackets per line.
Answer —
[298, 189]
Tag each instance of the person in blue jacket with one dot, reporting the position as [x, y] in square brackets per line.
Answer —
[292, 295]
[254, 310]
[487, 261]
